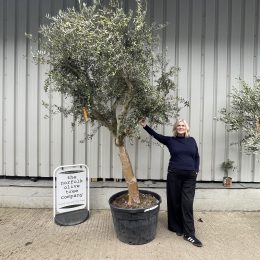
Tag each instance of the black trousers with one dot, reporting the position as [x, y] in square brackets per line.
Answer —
[181, 186]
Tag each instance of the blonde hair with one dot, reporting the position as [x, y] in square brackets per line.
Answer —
[187, 133]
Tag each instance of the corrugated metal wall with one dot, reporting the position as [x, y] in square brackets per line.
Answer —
[214, 42]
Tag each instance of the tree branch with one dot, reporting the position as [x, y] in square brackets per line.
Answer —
[123, 115]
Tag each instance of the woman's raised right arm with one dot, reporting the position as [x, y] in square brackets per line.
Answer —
[161, 138]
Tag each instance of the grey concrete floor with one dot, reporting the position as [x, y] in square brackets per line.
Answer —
[32, 234]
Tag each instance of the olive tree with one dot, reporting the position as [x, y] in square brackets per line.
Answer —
[244, 115]
[104, 59]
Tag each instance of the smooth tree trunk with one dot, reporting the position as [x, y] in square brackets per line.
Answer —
[133, 192]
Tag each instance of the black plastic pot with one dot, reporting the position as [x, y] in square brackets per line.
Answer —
[135, 226]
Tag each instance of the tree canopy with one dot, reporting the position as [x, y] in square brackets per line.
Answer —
[104, 59]
[244, 115]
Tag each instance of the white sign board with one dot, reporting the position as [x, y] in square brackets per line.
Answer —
[71, 188]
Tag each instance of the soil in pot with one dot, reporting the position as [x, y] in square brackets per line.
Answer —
[146, 201]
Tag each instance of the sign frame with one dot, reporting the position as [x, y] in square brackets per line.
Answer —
[71, 194]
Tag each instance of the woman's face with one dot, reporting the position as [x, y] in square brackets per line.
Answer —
[181, 129]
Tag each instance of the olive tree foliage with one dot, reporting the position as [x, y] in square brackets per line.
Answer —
[103, 58]
[244, 115]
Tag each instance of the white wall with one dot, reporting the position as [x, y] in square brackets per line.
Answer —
[214, 42]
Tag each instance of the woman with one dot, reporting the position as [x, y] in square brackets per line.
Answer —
[181, 179]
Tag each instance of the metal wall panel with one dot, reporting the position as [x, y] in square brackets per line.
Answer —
[207, 88]
[221, 30]
[234, 57]
[213, 42]
[10, 75]
[43, 124]
[2, 72]
[247, 70]
[256, 166]
[20, 90]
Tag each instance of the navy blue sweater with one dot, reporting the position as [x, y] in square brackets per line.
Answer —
[184, 151]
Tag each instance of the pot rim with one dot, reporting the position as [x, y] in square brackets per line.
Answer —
[114, 196]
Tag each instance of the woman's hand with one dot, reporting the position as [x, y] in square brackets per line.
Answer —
[142, 122]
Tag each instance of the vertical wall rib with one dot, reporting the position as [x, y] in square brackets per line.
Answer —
[164, 51]
[27, 68]
[255, 158]
[3, 128]
[177, 34]
[202, 82]
[215, 89]
[39, 103]
[241, 76]
[228, 77]
[15, 89]
[189, 70]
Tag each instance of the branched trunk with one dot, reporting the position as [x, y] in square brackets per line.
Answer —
[257, 125]
[131, 181]
[133, 192]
